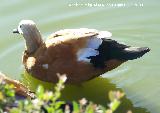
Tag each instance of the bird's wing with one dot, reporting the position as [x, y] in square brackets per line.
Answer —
[84, 41]
[75, 33]
[69, 34]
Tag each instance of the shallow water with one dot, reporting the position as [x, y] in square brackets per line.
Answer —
[136, 23]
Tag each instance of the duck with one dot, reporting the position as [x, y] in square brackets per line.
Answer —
[82, 54]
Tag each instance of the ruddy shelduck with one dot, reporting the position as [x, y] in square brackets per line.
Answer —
[81, 54]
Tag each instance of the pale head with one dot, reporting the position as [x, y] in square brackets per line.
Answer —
[31, 34]
[24, 25]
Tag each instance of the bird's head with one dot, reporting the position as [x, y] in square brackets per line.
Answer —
[31, 34]
[24, 26]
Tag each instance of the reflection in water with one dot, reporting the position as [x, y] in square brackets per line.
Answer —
[95, 90]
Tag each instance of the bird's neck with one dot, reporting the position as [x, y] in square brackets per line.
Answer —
[33, 40]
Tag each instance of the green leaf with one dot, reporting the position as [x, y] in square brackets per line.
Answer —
[101, 108]
[48, 96]
[111, 96]
[89, 108]
[58, 104]
[50, 109]
[10, 93]
[75, 107]
[114, 105]
[15, 110]
[40, 91]
[59, 111]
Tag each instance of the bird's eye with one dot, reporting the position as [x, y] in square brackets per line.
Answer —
[20, 26]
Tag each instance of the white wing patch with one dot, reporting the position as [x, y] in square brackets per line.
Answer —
[84, 53]
[104, 34]
[90, 50]
[92, 46]
[94, 43]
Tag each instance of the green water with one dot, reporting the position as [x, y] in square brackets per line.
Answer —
[133, 24]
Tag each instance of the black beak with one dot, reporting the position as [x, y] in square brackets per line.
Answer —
[15, 31]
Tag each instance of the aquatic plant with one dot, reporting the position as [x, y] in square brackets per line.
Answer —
[7, 96]
[49, 101]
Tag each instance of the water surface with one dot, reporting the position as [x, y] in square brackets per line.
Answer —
[133, 24]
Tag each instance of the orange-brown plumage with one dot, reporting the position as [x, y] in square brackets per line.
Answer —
[66, 52]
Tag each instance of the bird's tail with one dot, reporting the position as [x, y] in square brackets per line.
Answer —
[111, 49]
[131, 53]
